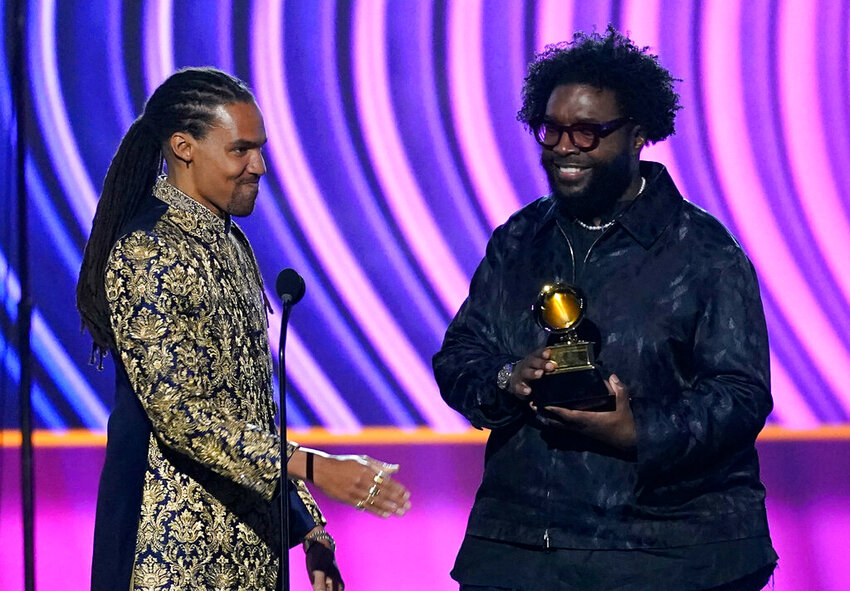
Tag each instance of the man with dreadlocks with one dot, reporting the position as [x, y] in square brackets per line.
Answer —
[170, 286]
[663, 491]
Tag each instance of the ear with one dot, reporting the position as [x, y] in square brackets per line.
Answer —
[639, 138]
[182, 146]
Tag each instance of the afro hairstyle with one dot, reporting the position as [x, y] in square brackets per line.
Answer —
[644, 89]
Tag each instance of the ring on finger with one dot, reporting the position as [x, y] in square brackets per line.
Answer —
[361, 504]
[373, 492]
[379, 477]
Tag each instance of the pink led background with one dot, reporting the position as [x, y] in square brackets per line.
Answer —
[808, 508]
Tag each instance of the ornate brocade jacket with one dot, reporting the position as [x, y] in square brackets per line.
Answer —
[193, 365]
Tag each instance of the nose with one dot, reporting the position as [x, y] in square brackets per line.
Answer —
[565, 145]
[257, 164]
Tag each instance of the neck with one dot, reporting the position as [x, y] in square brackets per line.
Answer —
[185, 183]
[635, 188]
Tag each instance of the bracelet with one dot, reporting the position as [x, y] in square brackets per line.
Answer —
[314, 537]
[309, 469]
[503, 378]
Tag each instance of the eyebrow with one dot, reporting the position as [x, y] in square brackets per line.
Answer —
[247, 144]
[592, 121]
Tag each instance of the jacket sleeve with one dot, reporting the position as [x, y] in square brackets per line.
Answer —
[473, 350]
[163, 335]
[304, 513]
[724, 407]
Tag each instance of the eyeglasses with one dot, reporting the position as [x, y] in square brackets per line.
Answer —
[584, 136]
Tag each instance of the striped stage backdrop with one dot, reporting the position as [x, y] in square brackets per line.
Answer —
[393, 153]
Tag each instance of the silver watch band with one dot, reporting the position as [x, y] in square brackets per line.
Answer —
[503, 378]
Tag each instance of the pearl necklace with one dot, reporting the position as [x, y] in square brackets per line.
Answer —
[611, 223]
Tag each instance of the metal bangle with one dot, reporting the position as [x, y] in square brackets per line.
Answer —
[314, 537]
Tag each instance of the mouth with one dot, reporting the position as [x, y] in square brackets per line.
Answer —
[250, 180]
[251, 188]
[571, 172]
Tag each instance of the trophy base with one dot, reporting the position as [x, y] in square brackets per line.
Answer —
[576, 356]
[582, 389]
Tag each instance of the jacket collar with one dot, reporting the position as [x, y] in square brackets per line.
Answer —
[647, 216]
[650, 214]
[193, 217]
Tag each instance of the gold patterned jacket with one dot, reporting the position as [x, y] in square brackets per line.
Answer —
[189, 317]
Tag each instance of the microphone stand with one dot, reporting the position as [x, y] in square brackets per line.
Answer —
[18, 46]
[283, 576]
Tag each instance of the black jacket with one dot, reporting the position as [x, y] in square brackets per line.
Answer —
[674, 307]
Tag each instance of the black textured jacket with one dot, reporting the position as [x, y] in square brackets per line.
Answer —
[674, 308]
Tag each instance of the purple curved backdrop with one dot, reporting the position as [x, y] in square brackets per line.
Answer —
[394, 151]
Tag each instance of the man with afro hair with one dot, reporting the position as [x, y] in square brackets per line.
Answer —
[652, 484]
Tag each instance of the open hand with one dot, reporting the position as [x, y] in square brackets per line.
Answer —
[615, 428]
[361, 481]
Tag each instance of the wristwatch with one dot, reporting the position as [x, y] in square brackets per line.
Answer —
[503, 378]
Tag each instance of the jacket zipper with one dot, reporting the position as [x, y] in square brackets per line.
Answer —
[587, 254]
[572, 252]
[547, 541]
[570, 245]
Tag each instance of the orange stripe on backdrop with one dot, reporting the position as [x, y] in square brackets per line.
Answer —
[384, 436]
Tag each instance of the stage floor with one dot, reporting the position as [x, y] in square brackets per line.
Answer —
[808, 484]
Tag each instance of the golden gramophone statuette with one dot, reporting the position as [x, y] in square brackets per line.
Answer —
[576, 383]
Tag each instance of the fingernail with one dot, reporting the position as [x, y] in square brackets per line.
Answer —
[614, 378]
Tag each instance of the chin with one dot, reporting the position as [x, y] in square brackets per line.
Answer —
[242, 205]
[594, 196]
[570, 193]
[566, 192]
[241, 212]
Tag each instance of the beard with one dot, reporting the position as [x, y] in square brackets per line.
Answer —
[598, 197]
[243, 198]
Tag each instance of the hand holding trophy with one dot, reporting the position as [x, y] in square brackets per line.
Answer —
[576, 383]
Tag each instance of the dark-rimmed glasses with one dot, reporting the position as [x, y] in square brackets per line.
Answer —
[584, 136]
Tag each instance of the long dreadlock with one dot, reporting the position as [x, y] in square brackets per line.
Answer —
[185, 102]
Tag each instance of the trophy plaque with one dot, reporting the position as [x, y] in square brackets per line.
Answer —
[576, 383]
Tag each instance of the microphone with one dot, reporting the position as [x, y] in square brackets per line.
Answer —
[290, 286]
[290, 289]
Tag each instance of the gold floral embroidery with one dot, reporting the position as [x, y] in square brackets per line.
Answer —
[190, 325]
